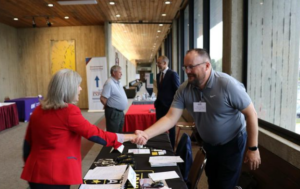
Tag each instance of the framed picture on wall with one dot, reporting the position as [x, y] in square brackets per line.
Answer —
[62, 55]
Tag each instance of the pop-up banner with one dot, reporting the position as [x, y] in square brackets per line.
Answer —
[96, 73]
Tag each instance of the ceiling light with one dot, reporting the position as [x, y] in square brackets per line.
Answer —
[50, 5]
[112, 3]
[160, 24]
[66, 17]
[164, 14]
[86, 2]
[261, 3]
[118, 15]
[33, 23]
[167, 2]
[16, 19]
[158, 31]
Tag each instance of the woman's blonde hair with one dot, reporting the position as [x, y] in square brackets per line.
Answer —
[62, 89]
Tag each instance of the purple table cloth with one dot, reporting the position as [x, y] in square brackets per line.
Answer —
[25, 106]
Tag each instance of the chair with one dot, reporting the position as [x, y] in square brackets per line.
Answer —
[130, 91]
[183, 126]
[196, 169]
[197, 137]
[136, 84]
[184, 150]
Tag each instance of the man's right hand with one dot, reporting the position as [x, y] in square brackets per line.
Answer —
[141, 138]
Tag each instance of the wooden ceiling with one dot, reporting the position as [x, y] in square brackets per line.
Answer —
[134, 32]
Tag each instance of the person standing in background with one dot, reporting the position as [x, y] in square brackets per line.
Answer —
[115, 101]
[167, 85]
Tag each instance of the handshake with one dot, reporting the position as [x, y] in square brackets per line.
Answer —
[139, 137]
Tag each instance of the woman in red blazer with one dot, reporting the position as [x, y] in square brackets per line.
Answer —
[52, 143]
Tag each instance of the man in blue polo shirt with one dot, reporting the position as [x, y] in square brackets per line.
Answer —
[224, 116]
[115, 101]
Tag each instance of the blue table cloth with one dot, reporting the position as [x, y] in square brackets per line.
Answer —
[25, 106]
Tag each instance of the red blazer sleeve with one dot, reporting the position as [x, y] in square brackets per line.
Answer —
[27, 143]
[78, 124]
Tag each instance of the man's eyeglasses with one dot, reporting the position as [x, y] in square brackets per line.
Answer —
[191, 67]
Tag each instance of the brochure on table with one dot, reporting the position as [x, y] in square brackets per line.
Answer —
[163, 161]
[111, 174]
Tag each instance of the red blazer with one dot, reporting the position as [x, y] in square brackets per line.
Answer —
[52, 145]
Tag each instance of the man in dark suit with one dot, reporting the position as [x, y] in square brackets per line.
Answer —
[167, 84]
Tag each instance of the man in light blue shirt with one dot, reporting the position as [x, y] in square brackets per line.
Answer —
[114, 100]
[219, 105]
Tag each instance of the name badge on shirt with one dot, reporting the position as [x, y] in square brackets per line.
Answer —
[199, 106]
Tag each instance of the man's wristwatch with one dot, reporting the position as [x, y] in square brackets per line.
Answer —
[253, 148]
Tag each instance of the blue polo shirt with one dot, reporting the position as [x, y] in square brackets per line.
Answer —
[115, 94]
[225, 97]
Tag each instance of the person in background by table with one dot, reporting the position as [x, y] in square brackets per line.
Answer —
[52, 143]
[224, 117]
[167, 85]
[115, 101]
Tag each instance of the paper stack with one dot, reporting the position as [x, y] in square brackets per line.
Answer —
[163, 175]
[139, 151]
[164, 161]
[109, 172]
[110, 177]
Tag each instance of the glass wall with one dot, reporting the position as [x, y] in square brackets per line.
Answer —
[186, 29]
[216, 34]
[273, 61]
[297, 129]
[186, 33]
[198, 23]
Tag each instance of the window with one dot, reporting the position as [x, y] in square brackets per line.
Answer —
[216, 34]
[198, 23]
[186, 29]
[186, 33]
[180, 48]
[273, 62]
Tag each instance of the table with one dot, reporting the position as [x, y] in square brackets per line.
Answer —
[139, 117]
[25, 106]
[8, 115]
[135, 102]
[142, 160]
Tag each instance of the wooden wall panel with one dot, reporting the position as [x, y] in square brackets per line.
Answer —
[34, 48]
[11, 82]
[273, 60]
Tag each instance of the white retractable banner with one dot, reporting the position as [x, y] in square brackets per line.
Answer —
[96, 73]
